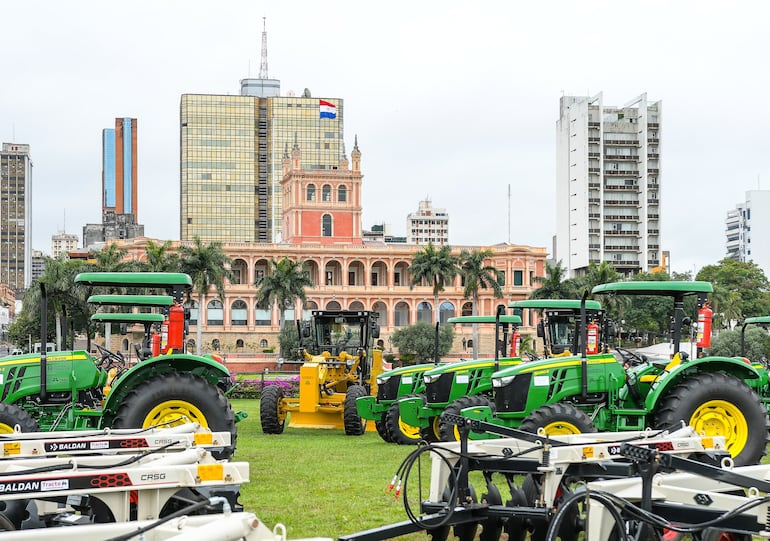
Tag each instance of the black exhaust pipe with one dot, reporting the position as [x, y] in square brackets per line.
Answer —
[43, 344]
[436, 356]
[500, 309]
[584, 340]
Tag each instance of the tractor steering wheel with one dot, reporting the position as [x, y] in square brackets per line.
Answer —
[631, 358]
[109, 359]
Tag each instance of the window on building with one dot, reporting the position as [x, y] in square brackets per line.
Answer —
[326, 193]
[311, 192]
[326, 225]
[342, 194]
[214, 314]
[518, 278]
[238, 313]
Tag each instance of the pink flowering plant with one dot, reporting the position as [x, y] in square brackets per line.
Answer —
[251, 387]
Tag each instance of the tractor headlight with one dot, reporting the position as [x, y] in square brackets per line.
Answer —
[349, 363]
[382, 380]
[431, 378]
[502, 382]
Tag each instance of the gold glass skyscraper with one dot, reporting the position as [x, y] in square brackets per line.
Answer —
[230, 163]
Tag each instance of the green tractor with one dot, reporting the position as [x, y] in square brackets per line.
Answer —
[715, 395]
[454, 386]
[73, 390]
[407, 382]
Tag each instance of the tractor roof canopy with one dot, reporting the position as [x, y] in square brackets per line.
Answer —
[174, 283]
[756, 320]
[516, 320]
[556, 304]
[671, 288]
[128, 318]
[132, 300]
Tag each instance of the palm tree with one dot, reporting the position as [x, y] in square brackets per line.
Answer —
[160, 258]
[477, 275]
[58, 278]
[437, 267]
[207, 266]
[111, 258]
[284, 284]
[553, 285]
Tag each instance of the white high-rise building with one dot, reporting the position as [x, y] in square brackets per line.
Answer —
[63, 242]
[747, 230]
[427, 225]
[608, 184]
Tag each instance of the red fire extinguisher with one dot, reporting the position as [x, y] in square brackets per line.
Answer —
[592, 341]
[175, 338]
[164, 336]
[155, 344]
[515, 343]
[703, 337]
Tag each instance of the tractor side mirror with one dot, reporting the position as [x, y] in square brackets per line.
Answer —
[375, 330]
[306, 330]
[123, 328]
[540, 330]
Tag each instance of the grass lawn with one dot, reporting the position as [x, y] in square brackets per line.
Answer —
[319, 482]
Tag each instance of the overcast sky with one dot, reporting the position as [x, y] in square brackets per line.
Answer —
[450, 100]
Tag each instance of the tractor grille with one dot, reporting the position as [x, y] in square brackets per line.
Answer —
[439, 391]
[513, 397]
[389, 390]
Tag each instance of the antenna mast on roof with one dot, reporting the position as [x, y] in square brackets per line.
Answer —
[263, 63]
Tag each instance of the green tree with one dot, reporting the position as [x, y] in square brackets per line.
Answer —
[288, 340]
[285, 282]
[436, 267]
[112, 258]
[728, 344]
[419, 340]
[478, 275]
[208, 266]
[553, 285]
[744, 278]
[160, 257]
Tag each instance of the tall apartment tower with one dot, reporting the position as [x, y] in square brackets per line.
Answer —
[428, 225]
[232, 149]
[747, 230]
[15, 217]
[608, 179]
[119, 169]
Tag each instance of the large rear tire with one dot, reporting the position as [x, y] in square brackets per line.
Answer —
[400, 432]
[12, 415]
[271, 413]
[448, 431]
[175, 398]
[717, 404]
[355, 425]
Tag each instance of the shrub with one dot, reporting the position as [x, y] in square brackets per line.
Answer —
[252, 388]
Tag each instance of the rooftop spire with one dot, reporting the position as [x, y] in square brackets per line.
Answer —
[263, 63]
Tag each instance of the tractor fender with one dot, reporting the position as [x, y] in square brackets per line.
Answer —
[203, 366]
[667, 380]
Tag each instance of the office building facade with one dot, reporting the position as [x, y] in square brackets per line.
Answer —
[63, 243]
[428, 225]
[15, 217]
[608, 184]
[747, 230]
[119, 169]
[232, 149]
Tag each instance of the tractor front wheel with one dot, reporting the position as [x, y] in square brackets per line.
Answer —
[717, 404]
[176, 398]
[448, 430]
[12, 415]
[271, 414]
[382, 430]
[558, 419]
[400, 432]
[354, 424]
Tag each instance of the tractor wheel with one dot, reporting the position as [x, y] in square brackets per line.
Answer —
[175, 398]
[716, 404]
[382, 430]
[448, 431]
[430, 433]
[12, 415]
[400, 432]
[354, 424]
[572, 524]
[558, 419]
[271, 413]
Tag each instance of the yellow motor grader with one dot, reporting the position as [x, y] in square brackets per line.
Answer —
[339, 365]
